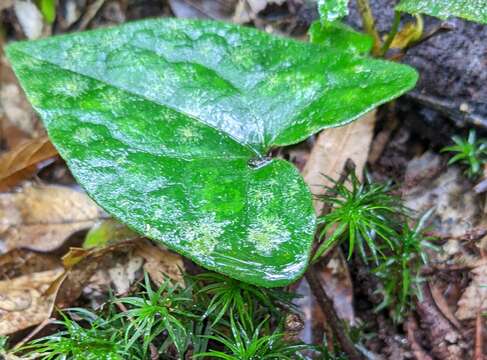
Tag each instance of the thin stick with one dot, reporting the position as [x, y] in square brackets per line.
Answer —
[34, 332]
[326, 306]
[479, 337]
[392, 34]
[325, 303]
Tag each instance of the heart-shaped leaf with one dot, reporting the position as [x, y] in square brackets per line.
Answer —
[167, 123]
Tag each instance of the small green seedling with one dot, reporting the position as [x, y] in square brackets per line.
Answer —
[470, 152]
[364, 214]
[400, 270]
[95, 339]
[331, 29]
[172, 323]
[245, 345]
[222, 296]
[154, 312]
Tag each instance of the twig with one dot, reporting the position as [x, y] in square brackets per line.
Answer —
[479, 337]
[412, 329]
[325, 303]
[153, 352]
[368, 22]
[450, 109]
[441, 28]
[481, 187]
[326, 306]
[34, 332]
[392, 34]
[90, 14]
[442, 305]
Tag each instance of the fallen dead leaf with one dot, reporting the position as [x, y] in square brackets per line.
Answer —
[120, 267]
[15, 106]
[442, 305]
[474, 298]
[248, 10]
[19, 262]
[31, 284]
[457, 207]
[218, 10]
[10, 135]
[5, 4]
[123, 274]
[82, 264]
[27, 300]
[20, 163]
[338, 285]
[43, 217]
[332, 149]
[160, 263]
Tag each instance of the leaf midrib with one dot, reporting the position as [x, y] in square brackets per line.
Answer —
[258, 154]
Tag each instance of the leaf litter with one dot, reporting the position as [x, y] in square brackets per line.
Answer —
[457, 252]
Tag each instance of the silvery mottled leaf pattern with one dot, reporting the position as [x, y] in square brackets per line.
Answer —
[167, 123]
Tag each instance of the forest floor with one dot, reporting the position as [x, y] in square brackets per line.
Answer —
[44, 216]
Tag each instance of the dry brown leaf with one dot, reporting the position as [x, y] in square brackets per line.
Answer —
[160, 263]
[19, 262]
[338, 285]
[82, 264]
[27, 300]
[20, 162]
[10, 135]
[248, 10]
[14, 104]
[5, 4]
[40, 283]
[332, 149]
[218, 10]
[123, 274]
[457, 207]
[442, 305]
[474, 298]
[28, 285]
[43, 217]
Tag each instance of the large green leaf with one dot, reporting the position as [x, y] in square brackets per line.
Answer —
[167, 123]
[474, 10]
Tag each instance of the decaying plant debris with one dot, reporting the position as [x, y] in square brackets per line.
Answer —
[398, 263]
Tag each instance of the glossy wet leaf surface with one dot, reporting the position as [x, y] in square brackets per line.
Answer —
[474, 10]
[167, 123]
[340, 36]
[332, 10]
